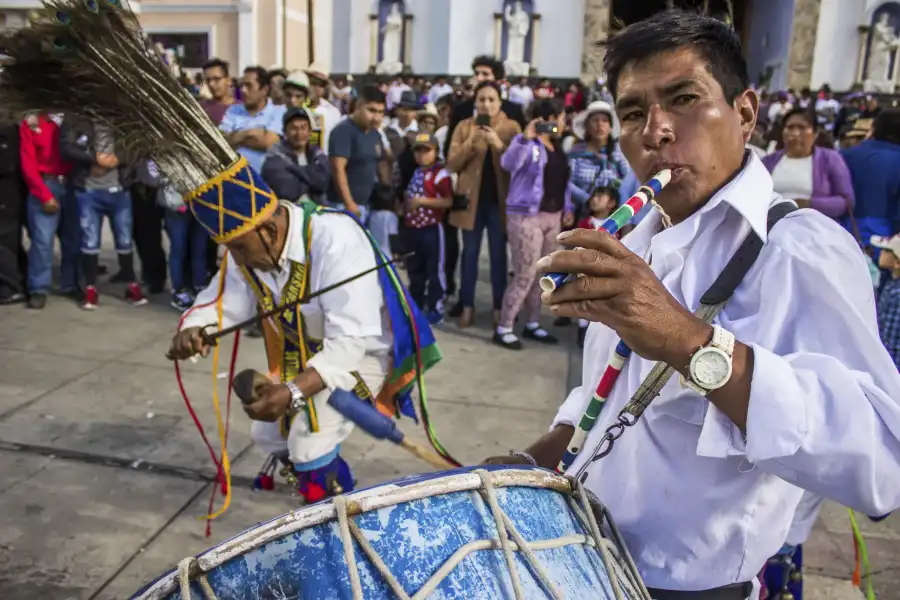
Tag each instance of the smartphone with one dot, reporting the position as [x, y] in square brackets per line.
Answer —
[483, 120]
[546, 127]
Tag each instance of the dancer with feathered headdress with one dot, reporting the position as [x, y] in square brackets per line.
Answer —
[90, 58]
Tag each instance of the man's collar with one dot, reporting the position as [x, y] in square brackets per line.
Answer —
[294, 249]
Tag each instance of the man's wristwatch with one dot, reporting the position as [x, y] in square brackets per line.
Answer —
[298, 400]
[710, 366]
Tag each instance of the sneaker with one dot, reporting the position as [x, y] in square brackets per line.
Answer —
[37, 301]
[562, 322]
[134, 295]
[14, 298]
[435, 317]
[510, 341]
[181, 301]
[539, 334]
[91, 298]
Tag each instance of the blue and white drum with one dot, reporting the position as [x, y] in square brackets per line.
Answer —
[474, 533]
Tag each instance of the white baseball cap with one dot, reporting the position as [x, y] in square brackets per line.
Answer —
[887, 243]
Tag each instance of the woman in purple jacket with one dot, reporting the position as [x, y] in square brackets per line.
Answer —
[538, 203]
[811, 176]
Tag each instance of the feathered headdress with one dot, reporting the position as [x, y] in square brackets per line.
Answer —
[91, 58]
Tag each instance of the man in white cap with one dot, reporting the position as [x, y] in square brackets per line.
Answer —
[296, 89]
[326, 114]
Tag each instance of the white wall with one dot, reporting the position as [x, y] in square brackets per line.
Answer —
[471, 32]
[837, 42]
[431, 41]
[558, 53]
[323, 23]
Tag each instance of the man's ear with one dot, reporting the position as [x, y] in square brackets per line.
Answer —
[747, 106]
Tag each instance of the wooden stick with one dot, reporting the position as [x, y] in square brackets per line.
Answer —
[432, 458]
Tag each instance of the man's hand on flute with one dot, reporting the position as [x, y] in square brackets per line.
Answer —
[187, 343]
[617, 288]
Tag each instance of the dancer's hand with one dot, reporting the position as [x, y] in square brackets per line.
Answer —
[274, 400]
[187, 343]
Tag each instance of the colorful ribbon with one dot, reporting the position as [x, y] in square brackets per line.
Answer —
[621, 352]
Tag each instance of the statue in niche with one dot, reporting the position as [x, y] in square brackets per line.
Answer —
[882, 48]
[518, 24]
[391, 43]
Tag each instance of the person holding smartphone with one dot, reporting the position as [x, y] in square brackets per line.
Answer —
[475, 150]
[539, 203]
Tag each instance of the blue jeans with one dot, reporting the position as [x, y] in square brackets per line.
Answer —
[187, 240]
[116, 205]
[487, 216]
[42, 228]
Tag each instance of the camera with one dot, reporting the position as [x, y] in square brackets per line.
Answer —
[546, 127]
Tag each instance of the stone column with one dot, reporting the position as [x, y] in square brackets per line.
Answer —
[803, 43]
[596, 28]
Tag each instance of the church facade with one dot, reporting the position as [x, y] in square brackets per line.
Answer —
[788, 43]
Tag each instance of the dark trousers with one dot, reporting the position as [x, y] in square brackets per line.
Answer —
[187, 245]
[487, 217]
[426, 267]
[12, 256]
[148, 224]
[451, 256]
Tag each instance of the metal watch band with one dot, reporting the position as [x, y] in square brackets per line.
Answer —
[298, 401]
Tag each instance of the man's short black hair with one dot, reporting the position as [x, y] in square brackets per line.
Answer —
[262, 75]
[808, 115]
[491, 63]
[545, 108]
[371, 94]
[886, 127]
[672, 29]
[216, 63]
[446, 100]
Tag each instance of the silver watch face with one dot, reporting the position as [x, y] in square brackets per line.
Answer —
[711, 368]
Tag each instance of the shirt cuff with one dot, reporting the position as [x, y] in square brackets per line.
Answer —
[571, 410]
[776, 417]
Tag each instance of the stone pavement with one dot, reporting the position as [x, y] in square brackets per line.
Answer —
[103, 476]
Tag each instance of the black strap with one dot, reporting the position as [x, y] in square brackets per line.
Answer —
[737, 591]
[736, 269]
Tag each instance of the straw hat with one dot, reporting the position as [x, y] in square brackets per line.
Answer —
[317, 71]
[297, 79]
[593, 108]
[429, 110]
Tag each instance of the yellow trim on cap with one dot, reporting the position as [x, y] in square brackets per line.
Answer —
[250, 223]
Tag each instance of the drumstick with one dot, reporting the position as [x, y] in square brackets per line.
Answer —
[351, 407]
[382, 427]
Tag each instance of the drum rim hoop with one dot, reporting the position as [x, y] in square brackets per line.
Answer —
[363, 501]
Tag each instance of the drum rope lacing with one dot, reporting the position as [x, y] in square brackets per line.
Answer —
[622, 577]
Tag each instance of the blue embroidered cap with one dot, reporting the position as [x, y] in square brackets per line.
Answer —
[233, 203]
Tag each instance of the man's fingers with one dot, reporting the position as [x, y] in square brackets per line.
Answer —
[579, 261]
[593, 240]
[582, 309]
[584, 288]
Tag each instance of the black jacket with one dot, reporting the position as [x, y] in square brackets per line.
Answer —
[77, 145]
[289, 180]
[12, 187]
[464, 110]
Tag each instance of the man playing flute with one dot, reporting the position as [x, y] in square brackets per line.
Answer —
[788, 389]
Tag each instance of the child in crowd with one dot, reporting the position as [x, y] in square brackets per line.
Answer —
[428, 196]
[889, 299]
[601, 204]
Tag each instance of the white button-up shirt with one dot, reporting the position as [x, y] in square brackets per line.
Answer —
[698, 505]
[351, 320]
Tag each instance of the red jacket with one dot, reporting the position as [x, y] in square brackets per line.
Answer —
[39, 151]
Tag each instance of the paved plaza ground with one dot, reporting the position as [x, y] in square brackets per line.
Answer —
[103, 475]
